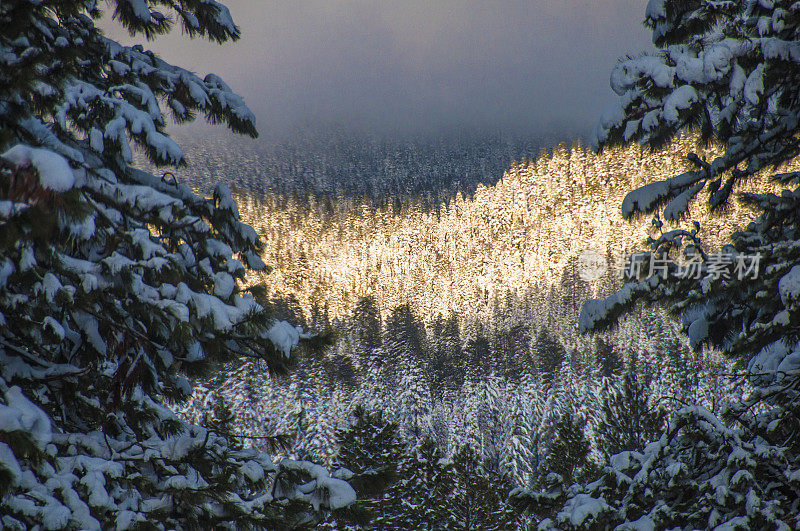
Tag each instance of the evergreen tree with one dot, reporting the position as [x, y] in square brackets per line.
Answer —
[518, 344]
[566, 462]
[414, 403]
[480, 496]
[491, 420]
[404, 344]
[425, 489]
[339, 368]
[288, 308]
[117, 286]
[299, 422]
[405, 336]
[371, 449]
[574, 289]
[549, 353]
[321, 439]
[477, 355]
[367, 326]
[319, 321]
[607, 358]
[628, 419]
[568, 451]
[222, 421]
[446, 361]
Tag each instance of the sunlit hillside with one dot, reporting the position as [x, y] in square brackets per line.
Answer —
[522, 234]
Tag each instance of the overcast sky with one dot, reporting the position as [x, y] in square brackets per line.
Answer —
[532, 67]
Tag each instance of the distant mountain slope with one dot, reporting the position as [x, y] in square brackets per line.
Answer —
[524, 233]
[331, 163]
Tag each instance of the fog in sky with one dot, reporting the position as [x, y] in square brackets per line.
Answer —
[537, 67]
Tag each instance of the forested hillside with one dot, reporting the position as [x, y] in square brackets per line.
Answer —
[524, 233]
[331, 163]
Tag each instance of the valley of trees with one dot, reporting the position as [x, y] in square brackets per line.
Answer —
[477, 349]
[459, 374]
[516, 401]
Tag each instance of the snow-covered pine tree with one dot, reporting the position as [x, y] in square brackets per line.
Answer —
[491, 419]
[567, 460]
[404, 343]
[371, 449]
[732, 71]
[221, 420]
[520, 450]
[117, 286]
[404, 334]
[463, 427]
[446, 364]
[568, 451]
[425, 489]
[607, 358]
[300, 419]
[480, 495]
[414, 404]
[365, 329]
[629, 418]
[549, 354]
[477, 353]
[321, 439]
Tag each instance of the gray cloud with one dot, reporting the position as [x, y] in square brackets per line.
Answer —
[419, 66]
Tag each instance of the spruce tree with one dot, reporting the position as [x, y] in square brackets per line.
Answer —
[222, 421]
[628, 419]
[404, 335]
[521, 449]
[117, 286]
[550, 354]
[414, 404]
[425, 489]
[446, 363]
[299, 422]
[491, 420]
[480, 495]
[607, 358]
[477, 356]
[566, 462]
[366, 331]
[371, 450]
[568, 451]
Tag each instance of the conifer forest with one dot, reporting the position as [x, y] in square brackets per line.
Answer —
[204, 328]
